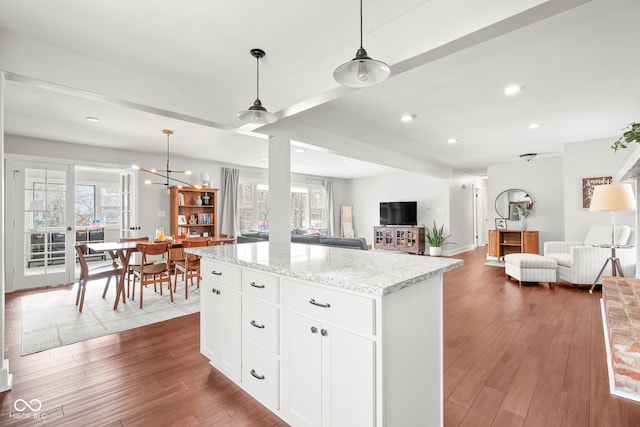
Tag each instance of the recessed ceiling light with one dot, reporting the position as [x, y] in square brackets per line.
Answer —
[512, 89]
[264, 158]
[452, 140]
[408, 117]
[534, 125]
[92, 119]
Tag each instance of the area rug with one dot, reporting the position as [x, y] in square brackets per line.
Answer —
[51, 319]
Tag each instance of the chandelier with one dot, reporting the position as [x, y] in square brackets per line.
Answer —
[165, 173]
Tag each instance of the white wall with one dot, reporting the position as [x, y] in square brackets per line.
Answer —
[555, 185]
[153, 202]
[583, 160]
[432, 195]
[462, 218]
[542, 179]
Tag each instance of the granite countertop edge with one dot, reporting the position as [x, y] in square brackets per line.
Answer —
[350, 285]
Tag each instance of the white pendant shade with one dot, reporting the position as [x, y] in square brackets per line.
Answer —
[257, 114]
[361, 72]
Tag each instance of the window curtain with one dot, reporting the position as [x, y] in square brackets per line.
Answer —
[328, 189]
[229, 202]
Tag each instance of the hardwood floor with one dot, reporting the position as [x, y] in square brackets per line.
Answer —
[514, 356]
[525, 355]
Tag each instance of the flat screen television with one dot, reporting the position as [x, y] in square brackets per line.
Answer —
[399, 213]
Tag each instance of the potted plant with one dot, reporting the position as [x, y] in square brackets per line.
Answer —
[436, 238]
[632, 134]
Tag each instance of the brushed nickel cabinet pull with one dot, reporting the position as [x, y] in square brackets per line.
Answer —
[318, 304]
[253, 323]
[255, 285]
[260, 377]
[216, 273]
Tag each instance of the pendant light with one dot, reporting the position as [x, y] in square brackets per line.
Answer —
[257, 113]
[165, 173]
[361, 71]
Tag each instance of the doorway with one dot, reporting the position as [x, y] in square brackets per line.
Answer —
[52, 206]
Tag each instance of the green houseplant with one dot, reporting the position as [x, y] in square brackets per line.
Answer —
[631, 134]
[436, 238]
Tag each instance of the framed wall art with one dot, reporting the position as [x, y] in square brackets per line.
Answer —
[501, 223]
[182, 220]
[587, 188]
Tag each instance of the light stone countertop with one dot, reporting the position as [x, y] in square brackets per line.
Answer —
[374, 272]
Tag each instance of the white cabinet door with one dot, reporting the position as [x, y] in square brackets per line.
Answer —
[208, 312]
[348, 373]
[327, 375]
[221, 318]
[301, 370]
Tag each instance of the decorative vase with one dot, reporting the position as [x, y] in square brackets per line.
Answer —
[523, 223]
[199, 201]
[435, 250]
[205, 199]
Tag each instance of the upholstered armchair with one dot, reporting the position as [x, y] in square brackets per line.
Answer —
[580, 262]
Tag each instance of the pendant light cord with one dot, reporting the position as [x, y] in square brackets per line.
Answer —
[168, 170]
[257, 77]
[361, 24]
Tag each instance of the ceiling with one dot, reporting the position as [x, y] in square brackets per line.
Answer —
[186, 66]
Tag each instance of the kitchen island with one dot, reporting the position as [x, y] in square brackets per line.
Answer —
[327, 336]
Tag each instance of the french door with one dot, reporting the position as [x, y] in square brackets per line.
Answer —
[43, 247]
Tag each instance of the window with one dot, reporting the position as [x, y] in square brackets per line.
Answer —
[85, 208]
[89, 208]
[307, 206]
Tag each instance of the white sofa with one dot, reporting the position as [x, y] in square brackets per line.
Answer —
[580, 262]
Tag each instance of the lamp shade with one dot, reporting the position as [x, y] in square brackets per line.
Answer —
[613, 197]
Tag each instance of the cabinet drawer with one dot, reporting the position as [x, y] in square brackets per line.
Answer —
[260, 376]
[260, 285]
[221, 273]
[260, 324]
[346, 310]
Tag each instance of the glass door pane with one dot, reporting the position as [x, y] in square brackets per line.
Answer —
[46, 248]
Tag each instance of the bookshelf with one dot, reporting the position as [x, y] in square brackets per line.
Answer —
[193, 211]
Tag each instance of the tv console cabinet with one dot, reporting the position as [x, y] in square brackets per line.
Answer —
[399, 238]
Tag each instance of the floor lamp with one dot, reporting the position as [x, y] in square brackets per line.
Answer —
[612, 197]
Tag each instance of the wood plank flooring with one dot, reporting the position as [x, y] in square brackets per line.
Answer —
[514, 356]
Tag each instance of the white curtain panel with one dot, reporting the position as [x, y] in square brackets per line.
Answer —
[229, 202]
[328, 189]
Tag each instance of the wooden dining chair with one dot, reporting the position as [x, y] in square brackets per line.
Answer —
[227, 236]
[87, 274]
[189, 268]
[131, 263]
[155, 273]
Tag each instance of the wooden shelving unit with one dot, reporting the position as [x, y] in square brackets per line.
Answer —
[407, 239]
[503, 242]
[184, 203]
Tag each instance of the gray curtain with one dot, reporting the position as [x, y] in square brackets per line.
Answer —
[229, 202]
[328, 189]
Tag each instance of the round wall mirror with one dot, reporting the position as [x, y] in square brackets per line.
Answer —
[508, 200]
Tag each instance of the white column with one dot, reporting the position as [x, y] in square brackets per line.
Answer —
[5, 377]
[279, 199]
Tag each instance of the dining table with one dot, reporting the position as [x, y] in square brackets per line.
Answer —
[121, 251]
